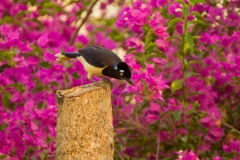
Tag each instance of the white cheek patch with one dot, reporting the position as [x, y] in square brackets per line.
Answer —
[122, 71]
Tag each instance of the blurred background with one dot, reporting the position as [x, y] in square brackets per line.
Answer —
[184, 56]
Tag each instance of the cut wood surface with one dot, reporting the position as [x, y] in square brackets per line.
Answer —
[84, 123]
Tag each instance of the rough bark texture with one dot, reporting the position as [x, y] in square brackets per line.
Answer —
[84, 123]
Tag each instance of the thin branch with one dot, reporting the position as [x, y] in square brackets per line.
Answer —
[120, 156]
[224, 124]
[183, 72]
[83, 21]
[131, 121]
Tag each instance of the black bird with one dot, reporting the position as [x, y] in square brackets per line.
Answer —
[100, 62]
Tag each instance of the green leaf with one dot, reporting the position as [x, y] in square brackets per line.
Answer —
[109, 22]
[195, 93]
[189, 74]
[198, 22]
[17, 86]
[171, 26]
[44, 11]
[130, 50]
[186, 47]
[185, 11]
[55, 84]
[193, 2]
[190, 63]
[196, 14]
[49, 4]
[164, 12]
[196, 37]
[2, 156]
[184, 139]
[3, 126]
[173, 22]
[176, 85]
[189, 24]
[75, 75]
[172, 37]
[20, 14]
[177, 115]
[140, 60]
[154, 55]
[6, 19]
[158, 52]
[190, 40]
[150, 46]
[181, 2]
[164, 125]
[6, 100]
[45, 65]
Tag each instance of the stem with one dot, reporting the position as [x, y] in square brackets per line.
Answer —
[83, 21]
[224, 124]
[132, 121]
[183, 61]
[183, 70]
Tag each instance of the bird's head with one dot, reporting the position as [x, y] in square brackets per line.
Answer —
[123, 72]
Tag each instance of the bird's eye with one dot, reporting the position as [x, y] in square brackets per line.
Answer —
[121, 74]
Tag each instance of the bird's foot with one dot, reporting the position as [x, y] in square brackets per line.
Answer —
[101, 83]
[106, 80]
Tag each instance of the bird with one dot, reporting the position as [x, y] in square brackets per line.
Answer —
[99, 61]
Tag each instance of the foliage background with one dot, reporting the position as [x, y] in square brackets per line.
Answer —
[185, 61]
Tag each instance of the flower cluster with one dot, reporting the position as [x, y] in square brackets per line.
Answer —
[30, 77]
[203, 36]
[184, 58]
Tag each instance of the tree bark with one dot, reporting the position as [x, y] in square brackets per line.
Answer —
[84, 123]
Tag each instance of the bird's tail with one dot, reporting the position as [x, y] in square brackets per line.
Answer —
[66, 56]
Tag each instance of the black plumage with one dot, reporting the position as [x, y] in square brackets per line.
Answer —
[99, 61]
[99, 57]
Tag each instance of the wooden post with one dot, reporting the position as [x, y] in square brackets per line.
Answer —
[84, 123]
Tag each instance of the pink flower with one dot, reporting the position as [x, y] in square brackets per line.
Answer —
[152, 113]
[158, 3]
[43, 40]
[162, 44]
[187, 155]
[217, 158]
[208, 122]
[160, 31]
[175, 9]
[83, 39]
[101, 40]
[157, 20]
[135, 43]
[234, 146]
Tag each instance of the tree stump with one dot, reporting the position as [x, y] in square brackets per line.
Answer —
[84, 123]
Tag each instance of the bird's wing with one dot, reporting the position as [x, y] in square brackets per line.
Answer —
[99, 57]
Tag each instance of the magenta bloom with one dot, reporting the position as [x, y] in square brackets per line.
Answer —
[186, 155]
[136, 43]
[175, 9]
[83, 39]
[160, 31]
[158, 3]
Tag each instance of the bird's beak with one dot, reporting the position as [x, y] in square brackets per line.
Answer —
[129, 81]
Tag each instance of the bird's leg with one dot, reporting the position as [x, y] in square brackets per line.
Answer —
[106, 80]
[100, 84]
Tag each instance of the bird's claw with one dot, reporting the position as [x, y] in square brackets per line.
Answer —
[106, 80]
[101, 83]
